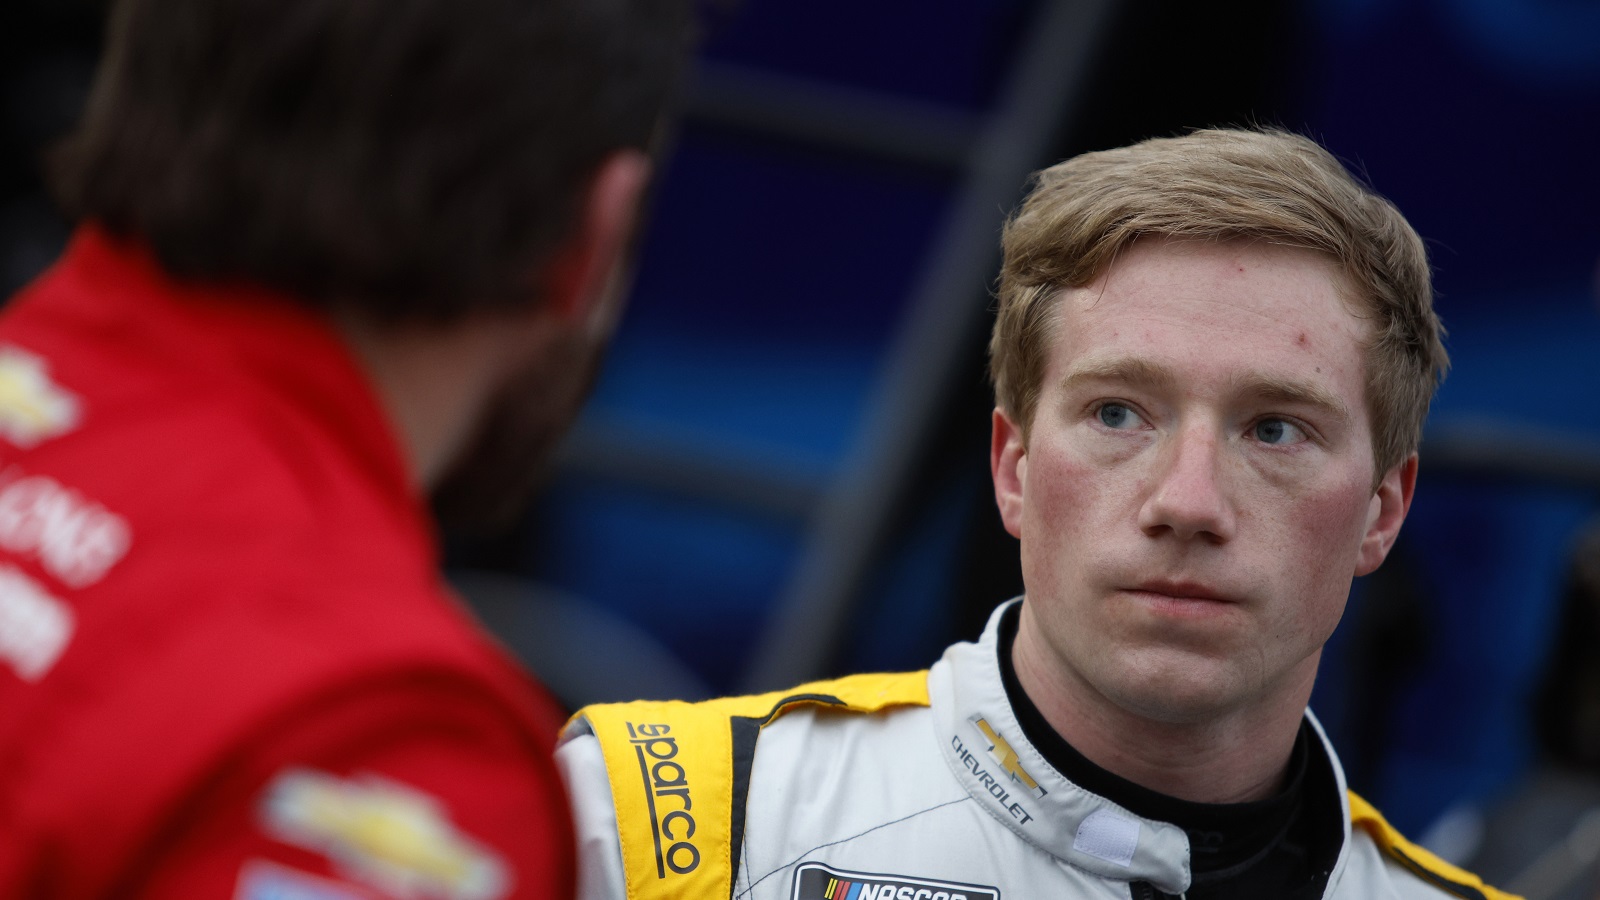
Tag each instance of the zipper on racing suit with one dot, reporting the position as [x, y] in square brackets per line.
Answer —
[1144, 890]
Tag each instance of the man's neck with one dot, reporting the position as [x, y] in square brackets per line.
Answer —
[1237, 757]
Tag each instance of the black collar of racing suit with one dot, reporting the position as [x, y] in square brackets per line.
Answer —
[1277, 847]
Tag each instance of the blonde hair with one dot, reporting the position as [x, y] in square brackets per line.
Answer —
[1222, 184]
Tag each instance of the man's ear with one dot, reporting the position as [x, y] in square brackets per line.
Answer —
[1008, 466]
[581, 276]
[1385, 514]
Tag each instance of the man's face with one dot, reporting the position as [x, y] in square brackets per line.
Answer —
[1196, 492]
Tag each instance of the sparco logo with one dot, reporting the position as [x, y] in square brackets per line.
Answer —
[814, 881]
[666, 792]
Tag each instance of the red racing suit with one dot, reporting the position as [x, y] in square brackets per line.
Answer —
[228, 664]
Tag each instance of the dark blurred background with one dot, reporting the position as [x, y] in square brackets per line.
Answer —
[783, 473]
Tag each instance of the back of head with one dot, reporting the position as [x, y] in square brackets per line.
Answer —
[1223, 185]
[408, 159]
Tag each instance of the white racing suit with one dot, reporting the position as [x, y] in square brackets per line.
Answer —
[917, 786]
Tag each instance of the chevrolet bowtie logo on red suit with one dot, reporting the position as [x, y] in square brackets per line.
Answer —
[33, 408]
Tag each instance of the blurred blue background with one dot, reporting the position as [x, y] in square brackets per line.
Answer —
[782, 474]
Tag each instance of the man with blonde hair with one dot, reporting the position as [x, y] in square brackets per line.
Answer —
[1212, 361]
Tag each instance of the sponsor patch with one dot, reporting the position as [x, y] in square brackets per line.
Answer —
[666, 794]
[1000, 751]
[1010, 771]
[814, 881]
[35, 627]
[382, 833]
[32, 407]
[260, 880]
[76, 539]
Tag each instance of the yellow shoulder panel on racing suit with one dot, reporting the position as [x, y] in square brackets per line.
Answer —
[680, 774]
[1419, 861]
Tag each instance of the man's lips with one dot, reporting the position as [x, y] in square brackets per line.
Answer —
[1182, 590]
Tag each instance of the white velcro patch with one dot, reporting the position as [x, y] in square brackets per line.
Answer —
[1108, 836]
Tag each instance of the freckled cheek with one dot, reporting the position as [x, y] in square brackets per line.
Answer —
[1062, 480]
[1327, 530]
[1072, 505]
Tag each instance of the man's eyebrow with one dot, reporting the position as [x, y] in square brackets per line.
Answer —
[1298, 393]
[1135, 372]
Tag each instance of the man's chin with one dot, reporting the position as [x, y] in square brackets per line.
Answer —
[1176, 692]
[490, 485]
[477, 503]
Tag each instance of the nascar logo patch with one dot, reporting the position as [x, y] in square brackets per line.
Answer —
[814, 881]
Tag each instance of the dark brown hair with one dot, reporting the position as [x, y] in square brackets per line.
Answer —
[408, 159]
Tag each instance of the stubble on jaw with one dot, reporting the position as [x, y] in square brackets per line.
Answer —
[488, 484]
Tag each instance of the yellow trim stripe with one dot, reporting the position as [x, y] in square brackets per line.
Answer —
[1394, 845]
[671, 769]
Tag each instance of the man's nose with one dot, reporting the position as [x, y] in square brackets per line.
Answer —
[1188, 497]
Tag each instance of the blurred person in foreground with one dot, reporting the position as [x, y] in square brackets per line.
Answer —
[1212, 361]
[334, 256]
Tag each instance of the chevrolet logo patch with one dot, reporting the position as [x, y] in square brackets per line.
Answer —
[1006, 757]
[32, 407]
[814, 881]
[386, 834]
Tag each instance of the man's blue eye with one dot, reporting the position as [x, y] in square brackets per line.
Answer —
[1276, 431]
[1115, 415]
